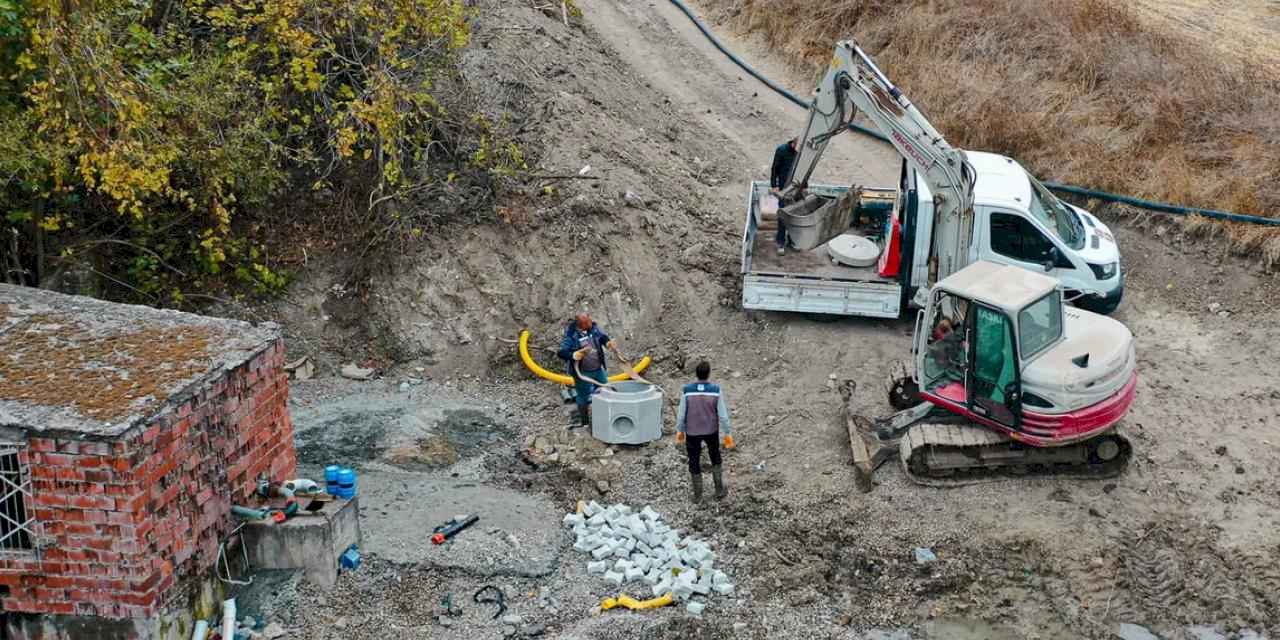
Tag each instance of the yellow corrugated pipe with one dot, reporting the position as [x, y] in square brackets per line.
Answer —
[631, 603]
[560, 377]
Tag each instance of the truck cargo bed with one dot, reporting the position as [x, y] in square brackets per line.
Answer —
[807, 281]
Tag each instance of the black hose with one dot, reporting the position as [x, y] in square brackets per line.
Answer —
[1063, 188]
[498, 599]
[757, 75]
[1160, 206]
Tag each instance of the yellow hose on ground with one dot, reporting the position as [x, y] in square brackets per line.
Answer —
[560, 377]
[631, 603]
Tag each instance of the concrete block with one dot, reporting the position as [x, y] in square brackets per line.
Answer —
[681, 591]
[722, 589]
[573, 519]
[613, 577]
[634, 573]
[654, 576]
[622, 565]
[601, 552]
[695, 607]
[648, 513]
[700, 588]
[596, 520]
[586, 544]
[606, 531]
[598, 567]
[592, 508]
[642, 561]
[719, 577]
[312, 544]
[581, 529]
[663, 586]
[621, 551]
[642, 547]
[624, 510]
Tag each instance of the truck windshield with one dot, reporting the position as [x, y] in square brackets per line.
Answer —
[1039, 324]
[1055, 215]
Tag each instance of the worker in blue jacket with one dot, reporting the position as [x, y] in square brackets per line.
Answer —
[584, 345]
[700, 419]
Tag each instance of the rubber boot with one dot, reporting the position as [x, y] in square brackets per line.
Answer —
[721, 491]
[584, 416]
[697, 487]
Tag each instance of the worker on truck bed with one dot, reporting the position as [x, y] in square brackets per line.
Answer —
[783, 159]
[583, 350]
[701, 417]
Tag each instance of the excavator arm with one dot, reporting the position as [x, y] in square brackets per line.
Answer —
[854, 84]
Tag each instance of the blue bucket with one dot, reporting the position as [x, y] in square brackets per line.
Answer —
[331, 479]
[346, 483]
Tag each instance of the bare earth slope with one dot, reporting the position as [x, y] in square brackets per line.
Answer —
[1189, 535]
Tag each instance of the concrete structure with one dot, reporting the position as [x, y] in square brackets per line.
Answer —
[627, 413]
[310, 542]
[126, 434]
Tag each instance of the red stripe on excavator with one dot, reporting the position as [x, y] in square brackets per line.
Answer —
[1055, 430]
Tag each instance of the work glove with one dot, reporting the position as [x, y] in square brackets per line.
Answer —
[728, 442]
[612, 344]
[679, 437]
[579, 354]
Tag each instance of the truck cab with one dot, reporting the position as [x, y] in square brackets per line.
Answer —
[1019, 222]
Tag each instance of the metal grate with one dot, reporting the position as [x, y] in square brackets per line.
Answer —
[16, 525]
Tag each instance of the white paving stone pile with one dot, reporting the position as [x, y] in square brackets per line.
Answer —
[630, 547]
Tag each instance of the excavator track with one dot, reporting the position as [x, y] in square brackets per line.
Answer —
[952, 455]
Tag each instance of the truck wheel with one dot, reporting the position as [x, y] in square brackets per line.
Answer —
[823, 317]
[1104, 306]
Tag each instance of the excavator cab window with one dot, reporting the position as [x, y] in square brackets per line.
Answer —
[993, 379]
[943, 370]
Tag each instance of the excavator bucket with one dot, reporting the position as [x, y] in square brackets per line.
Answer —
[869, 450]
[814, 220]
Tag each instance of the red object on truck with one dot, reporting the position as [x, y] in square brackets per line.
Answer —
[890, 258]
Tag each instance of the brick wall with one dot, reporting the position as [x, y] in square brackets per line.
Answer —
[128, 520]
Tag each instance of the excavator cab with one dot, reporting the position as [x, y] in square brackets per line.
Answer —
[971, 336]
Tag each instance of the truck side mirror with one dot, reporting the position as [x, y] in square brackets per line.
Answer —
[1050, 259]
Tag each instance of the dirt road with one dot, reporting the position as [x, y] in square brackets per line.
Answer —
[1188, 536]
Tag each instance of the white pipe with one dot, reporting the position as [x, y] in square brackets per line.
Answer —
[202, 630]
[229, 619]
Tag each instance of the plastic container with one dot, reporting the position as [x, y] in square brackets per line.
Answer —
[350, 559]
[346, 483]
[627, 413]
[331, 479]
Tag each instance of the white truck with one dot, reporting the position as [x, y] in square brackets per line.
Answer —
[949, 209]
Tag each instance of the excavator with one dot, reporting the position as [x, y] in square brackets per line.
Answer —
[1007, 378]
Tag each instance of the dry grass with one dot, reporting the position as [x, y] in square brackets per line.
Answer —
[1081, 91]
